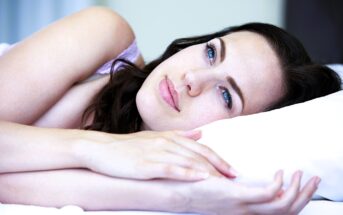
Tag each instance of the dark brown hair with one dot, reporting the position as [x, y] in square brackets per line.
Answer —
[115, 109]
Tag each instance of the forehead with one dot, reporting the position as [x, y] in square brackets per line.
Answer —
[251, 47]
[253, 63]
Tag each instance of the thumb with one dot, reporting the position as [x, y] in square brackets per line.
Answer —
[191, 134]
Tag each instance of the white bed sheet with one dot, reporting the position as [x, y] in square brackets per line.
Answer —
[313, 208]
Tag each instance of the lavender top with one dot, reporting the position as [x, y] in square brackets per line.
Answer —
[131, 54]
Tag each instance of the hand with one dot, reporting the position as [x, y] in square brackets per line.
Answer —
[152, 154]
[219, 196]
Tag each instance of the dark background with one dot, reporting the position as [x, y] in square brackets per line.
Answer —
[319, 26]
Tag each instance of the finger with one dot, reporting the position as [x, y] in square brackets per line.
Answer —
[158, 170]
[208, 154]
[192, 134]
[280, 205]
[263, 194]
[179, 149]
[178, 160]
[199, 162]
[174, 147]
[305, 195]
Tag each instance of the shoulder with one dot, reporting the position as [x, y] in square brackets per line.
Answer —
[104, 14]
[109, 29]
[106, 20]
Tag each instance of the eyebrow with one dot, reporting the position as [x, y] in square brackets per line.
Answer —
[236, 88]
[222, 49]
[231, 81]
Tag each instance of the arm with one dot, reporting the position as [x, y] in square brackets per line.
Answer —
[92, 191]
[142, 155]
[88, 190]
[27, 148]
[38, 71]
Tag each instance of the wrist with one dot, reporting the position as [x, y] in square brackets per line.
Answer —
[86, 144]
[178, 196]
[162, 195]
[181, 199]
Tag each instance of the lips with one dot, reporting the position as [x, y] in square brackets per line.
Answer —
[168, 93]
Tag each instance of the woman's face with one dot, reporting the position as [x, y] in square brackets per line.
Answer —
[234, 75]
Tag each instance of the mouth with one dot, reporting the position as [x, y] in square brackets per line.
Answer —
[169, 94]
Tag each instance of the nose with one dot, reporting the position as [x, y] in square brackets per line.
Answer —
[198, 81]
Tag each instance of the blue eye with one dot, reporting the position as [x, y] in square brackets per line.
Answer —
[226, 96]
[211, 53]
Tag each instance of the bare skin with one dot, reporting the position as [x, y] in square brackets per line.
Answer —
[42, 94]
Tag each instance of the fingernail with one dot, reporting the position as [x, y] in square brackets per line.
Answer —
[233, 172]
[317, 181]
[194, 134]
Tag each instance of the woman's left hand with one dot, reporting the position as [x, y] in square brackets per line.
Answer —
[220, 196]
[152, 154]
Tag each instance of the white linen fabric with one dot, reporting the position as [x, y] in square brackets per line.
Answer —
[313, 208]
[306, 136]
[4, 47]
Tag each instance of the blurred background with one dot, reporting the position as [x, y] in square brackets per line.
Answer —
[317, 23]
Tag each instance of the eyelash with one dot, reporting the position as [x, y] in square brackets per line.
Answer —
[211, 50]
[226, 96]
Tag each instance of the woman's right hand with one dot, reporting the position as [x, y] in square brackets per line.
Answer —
[152, 154]
[220, 196]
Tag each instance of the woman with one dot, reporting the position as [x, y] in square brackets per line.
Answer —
[241, 71]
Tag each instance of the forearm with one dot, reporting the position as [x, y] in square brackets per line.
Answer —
[89, 190]
[56, 58]
[27, 148]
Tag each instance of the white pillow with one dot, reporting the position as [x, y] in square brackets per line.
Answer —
[338, 68]
[306, 136]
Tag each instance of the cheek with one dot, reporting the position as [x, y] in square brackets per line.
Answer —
[191, 58]
[205, 110]
[146, 100]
